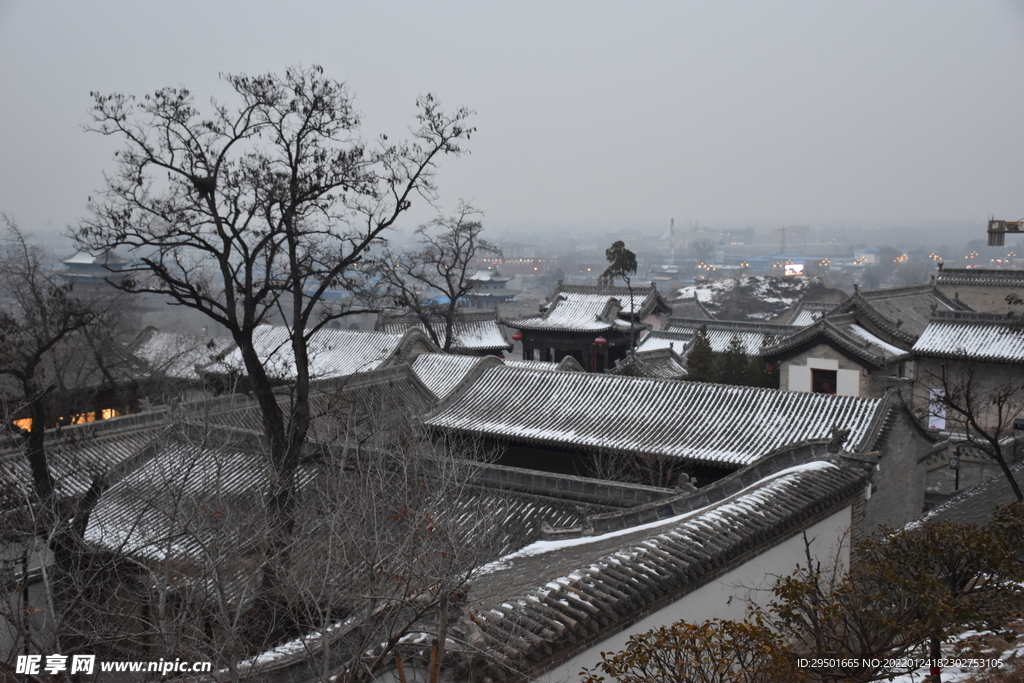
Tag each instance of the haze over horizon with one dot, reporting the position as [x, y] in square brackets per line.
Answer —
[590, 115]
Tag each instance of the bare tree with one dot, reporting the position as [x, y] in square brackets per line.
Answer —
[444, 266]
[978, 402]
[257, 210]
[38, 314]
[389, 529]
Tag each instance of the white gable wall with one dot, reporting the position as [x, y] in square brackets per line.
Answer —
[726, 597]
[796, 372]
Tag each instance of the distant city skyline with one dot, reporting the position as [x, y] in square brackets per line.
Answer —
[591, 115]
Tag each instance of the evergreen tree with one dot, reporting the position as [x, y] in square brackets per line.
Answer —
[757, 373]
[700, 363]
[733, 364]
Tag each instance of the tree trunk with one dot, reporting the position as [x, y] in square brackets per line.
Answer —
[1008, 474]
[935, 654]
[36, 450]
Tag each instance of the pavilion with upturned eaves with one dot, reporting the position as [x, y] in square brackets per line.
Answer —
[596, 325]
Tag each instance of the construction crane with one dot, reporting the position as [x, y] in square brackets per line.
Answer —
[997, 231]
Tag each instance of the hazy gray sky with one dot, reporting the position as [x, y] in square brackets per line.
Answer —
[589, 113]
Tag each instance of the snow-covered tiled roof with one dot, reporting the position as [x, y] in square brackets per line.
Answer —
[666, 339]
[593, 309]
[711, 423]
[987, 277]
[532, 608]
[843, 332]
[979, 337]
[472, 332]
[809, 312]
[567, 364]
[659, 364]
[753, 335]
[576, 313]
[442, 372]
[880, 346]
[179, 355]
[75, 455]
[332, 353]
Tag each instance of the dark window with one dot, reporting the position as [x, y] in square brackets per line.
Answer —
[823, 381]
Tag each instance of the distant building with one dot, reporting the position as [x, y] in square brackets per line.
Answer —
[490, 289]
[90, 272]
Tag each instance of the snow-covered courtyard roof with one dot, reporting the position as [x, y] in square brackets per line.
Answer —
[536, 604]
[978, 337]
[711, 423]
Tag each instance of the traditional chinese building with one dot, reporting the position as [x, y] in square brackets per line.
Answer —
[596, 325]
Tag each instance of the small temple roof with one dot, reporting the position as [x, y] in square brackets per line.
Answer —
[593, 309]
[903, 312]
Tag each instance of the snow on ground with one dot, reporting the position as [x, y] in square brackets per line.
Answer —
[971, 645]
[753, 297]
[706, 291]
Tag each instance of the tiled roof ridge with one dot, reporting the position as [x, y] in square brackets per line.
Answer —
[988, 276]
[611, 290]
[133, 422]
[905, 290]
[738, 325]
[659, 353]
[860, 304]
[569, 364]
[577, 610]
[694, 299]
[462, 315]
[975, 316]
[412, 336]
[825, 327]
[380, 375]
[471, 377]
[769, 466]
[562, 487]
[883, 420]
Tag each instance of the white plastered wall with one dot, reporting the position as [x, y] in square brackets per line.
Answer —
[727, 597]
[847, 381]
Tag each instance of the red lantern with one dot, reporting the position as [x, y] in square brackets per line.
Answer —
[517, 336]
[600, 341]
